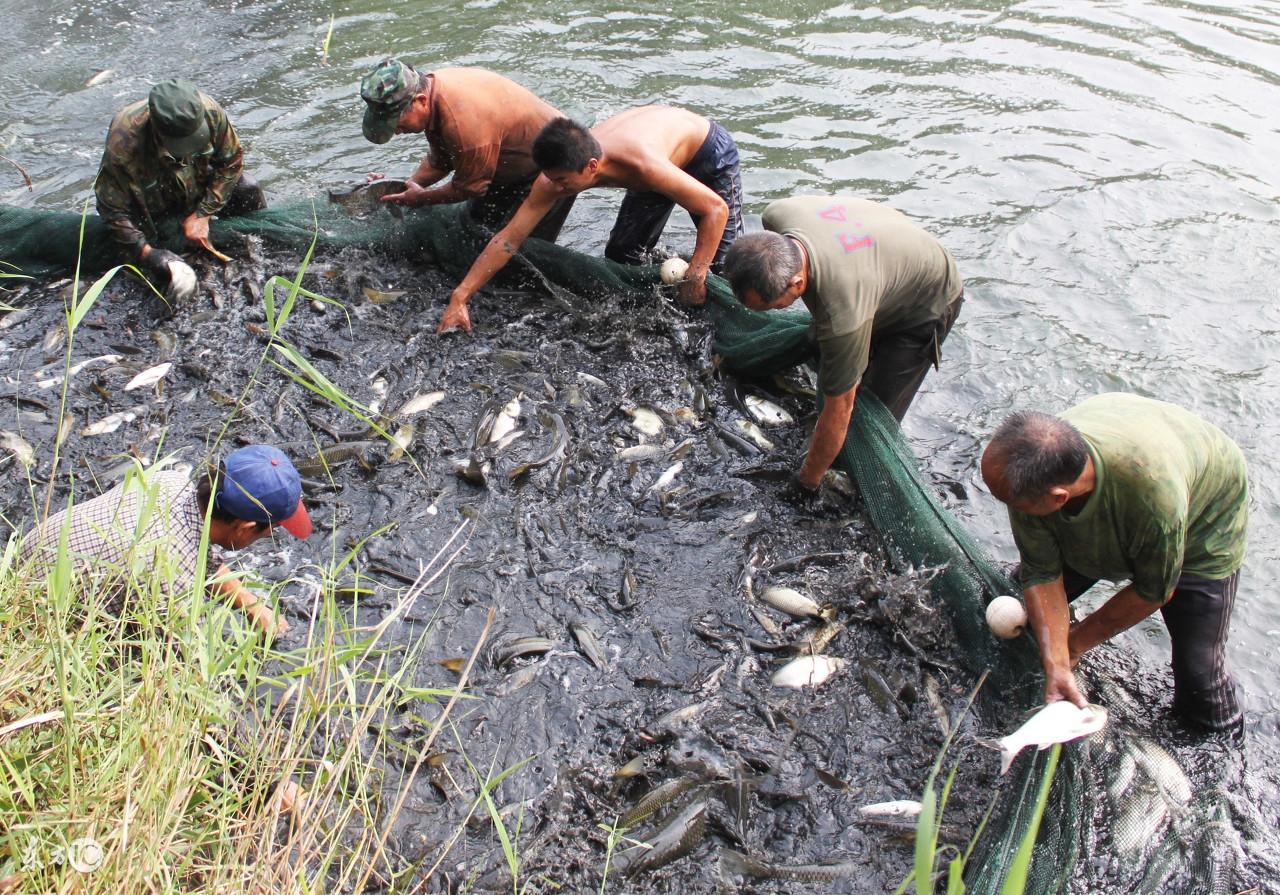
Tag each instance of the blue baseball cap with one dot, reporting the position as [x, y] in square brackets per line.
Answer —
[260, 484]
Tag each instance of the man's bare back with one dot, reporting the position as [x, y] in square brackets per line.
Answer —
[634, 140]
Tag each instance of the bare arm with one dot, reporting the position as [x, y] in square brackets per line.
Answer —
[828, 437]
[505, 243]
[416, 193]
[1124, 610]
[703, 204]
[228, 586]
[1050, 621]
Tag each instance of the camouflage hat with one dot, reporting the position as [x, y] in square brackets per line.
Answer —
[177, 111]
[388, 90]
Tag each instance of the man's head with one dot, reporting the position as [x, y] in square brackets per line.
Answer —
[390, 92]
[1033, 461]
[256, 489]
[766, 270]
[178, 118]
[568, 154]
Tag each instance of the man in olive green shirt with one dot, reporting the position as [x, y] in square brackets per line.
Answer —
[1125, 488]
[883, 294]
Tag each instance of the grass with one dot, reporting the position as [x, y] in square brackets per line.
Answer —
[142, 751]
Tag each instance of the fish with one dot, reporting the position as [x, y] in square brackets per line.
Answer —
[335, 454]
[743, 865]
[646, 421]
[100, 77]
[65, 428]
[473, 470]
[755, 433]
[1057, 722]
[815, 643]
[794, 603]
[516, 647]
[639, 453]
[899, 809]
[150, 376]
[166, 341]
[364, 199]
[18, 446]
[736, 441]
[182, 282]
[109, 424]
[592, 380]
[654, 801]
[454, 663]
[633, 768]
[558, 445]
[420, 403]
[767, 413]
[505, 421]
[15, 317]
[76, 368]
[589, 645]
[54, 339]
[680, 836]
[400, 441]
[378, 297]
[807, 671]
[666, 478]
[669, 723]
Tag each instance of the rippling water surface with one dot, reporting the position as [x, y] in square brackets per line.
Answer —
[1105, 173]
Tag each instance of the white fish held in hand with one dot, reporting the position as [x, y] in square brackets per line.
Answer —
[807, 671]
[182, 281]
[149, 376]
[1057, 722]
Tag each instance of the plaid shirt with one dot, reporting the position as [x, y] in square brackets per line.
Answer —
[132, 531]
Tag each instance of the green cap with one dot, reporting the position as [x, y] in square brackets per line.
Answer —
[177, 112]
[388, 90]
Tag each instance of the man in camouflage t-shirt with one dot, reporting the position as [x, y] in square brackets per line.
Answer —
[883, 294]
[1124, 488]
[171, 156]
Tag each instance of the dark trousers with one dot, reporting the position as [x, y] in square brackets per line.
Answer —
[643, 215]
[246, 197]
[1197, 618]
[899, 361]
[498, 205]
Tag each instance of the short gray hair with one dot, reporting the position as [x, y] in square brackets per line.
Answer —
[1037, 452]
[763, 263]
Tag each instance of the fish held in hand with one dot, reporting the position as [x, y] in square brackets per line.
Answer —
[1057, 722]
[366, 198]
[182, 282]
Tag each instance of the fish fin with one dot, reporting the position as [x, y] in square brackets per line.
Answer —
[1007, 755]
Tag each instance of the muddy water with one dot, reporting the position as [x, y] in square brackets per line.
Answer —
[1104, 174]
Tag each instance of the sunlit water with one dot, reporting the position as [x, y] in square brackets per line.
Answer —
[1105, 173]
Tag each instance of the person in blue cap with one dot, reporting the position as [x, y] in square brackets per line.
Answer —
[155, 525]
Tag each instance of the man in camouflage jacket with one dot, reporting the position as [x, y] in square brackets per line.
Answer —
[173, 155]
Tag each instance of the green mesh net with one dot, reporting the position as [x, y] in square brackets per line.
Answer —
[1092, 838]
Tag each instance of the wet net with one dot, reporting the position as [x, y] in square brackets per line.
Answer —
[1122, 815]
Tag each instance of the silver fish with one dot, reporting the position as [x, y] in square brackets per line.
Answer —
[110, 423]
[101, 76]
[149, 376]
[505, 421]
[755, 433]
[899, 809]
[364, 199]
[792, 602]
[378, 297]
[420, 403]
[182, 282]
[639, 453]
[672, 721]
[592, 380]
[76, 368]
[768, 413]
[514, 648]
[666, 478]
[400, 441]
[807, 671]
[18, 446]
[1057, 722]
[589, 644]
[646, 421]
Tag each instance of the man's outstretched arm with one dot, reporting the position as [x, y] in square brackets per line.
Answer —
[505, 243]
[1050, 618]
[828, 437]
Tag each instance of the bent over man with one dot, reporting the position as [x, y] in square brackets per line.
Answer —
[663, 157]
[479, 126]
[883, 294]
[173, 155]
[155, 526]
[1125, 488]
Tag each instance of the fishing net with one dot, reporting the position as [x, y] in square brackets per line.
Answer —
[1121, 816]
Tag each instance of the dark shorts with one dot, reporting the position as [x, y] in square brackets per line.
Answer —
[899, 361]
[644, 215]
[499, 204]
[1197, 619]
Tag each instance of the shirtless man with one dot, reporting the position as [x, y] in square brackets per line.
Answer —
[663, 157]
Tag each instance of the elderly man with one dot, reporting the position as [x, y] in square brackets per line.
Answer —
[479, 126]
[883, 294]
[155, 526]
[172, 156]
[663, 157]
[1125, 488]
